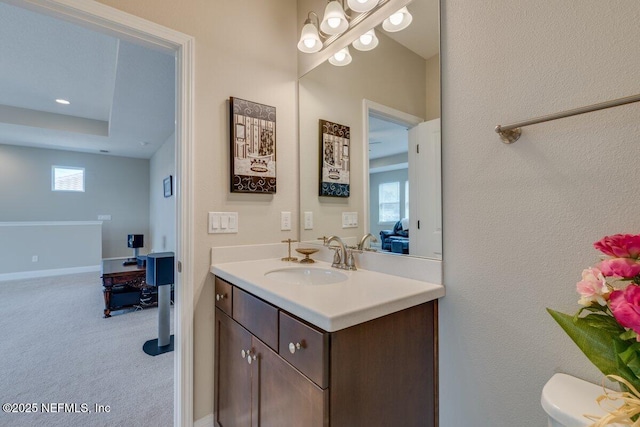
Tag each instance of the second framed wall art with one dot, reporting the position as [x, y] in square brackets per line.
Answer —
[334, 159]
[253, 147]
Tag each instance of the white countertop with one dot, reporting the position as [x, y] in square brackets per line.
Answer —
[364, 296]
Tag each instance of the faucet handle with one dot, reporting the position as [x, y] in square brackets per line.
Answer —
[350, 263]
[337, 256]
[324, 239]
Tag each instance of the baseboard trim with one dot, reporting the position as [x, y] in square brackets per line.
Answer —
[204, 422]
[44, 273]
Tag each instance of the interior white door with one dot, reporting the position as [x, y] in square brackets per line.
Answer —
[425, 190]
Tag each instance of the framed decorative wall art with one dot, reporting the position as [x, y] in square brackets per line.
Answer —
[334, 159]
[253, 147]
[167, 185]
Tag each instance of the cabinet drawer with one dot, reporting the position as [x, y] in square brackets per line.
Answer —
[258, 317]
[223, 295]
[312, 356]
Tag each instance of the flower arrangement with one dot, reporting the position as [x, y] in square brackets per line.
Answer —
[607, 326]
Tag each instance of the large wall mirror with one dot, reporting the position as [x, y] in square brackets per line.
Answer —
[389, 97]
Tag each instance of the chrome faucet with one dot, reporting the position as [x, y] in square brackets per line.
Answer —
[364, 239]
[343, 258]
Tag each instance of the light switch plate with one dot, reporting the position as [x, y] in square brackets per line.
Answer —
[223, 222]
[349, 219]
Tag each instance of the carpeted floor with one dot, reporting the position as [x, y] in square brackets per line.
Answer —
[55, 348]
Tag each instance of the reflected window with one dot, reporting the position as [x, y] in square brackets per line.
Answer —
[389, 200]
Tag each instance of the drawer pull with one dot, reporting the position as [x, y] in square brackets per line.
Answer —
[293, 347]
[220, 297]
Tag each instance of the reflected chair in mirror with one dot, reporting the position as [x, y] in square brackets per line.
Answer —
[396, 240]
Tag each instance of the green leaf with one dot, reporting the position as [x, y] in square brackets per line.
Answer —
[621, 347]
[628, 335]
[596, 336]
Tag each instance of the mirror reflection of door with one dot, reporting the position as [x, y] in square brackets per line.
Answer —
[425, 180]
[404, 179]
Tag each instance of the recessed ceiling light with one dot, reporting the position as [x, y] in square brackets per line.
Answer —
[104, 151]
[62, 101]
[144, 143]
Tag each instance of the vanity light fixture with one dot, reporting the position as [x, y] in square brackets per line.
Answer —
[362, 5]
[334, 20]
[398, 21]
[310, 38]
[62, 101]
[367, 41]
[341, 58]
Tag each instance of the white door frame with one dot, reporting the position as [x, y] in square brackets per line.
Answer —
[99, 17]
[392, 115]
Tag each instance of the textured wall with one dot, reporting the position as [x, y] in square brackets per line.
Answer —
[519, 220]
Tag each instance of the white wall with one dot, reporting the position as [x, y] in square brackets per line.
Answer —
[162, 210]
[115, 186]
[35, 249]
[246, 49]
[520, 220]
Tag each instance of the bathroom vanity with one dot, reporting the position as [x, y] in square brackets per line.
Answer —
[359, 352]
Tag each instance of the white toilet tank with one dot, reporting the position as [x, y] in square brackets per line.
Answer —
[566, 399]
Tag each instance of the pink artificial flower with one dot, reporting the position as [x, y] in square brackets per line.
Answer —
[592, 288]
[626, 268]
[625, 306]
[620, 245]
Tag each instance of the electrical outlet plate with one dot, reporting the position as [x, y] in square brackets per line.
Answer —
[308, 220]
[223, 222]
[285, 221]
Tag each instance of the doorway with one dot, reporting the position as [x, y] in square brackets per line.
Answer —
[98, 17]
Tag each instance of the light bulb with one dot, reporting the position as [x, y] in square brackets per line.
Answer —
[396, 18]
[341, 58]
[397, 21]
[309, 40]
[366, 39]
[333, 22]
[361, 6]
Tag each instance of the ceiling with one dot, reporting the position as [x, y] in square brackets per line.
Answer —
[386, 138]
[122, 95]
[423, 35]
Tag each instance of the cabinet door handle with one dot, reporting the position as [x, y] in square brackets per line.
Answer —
[293, 347]
[250, 358]
[249, 355]
[220, 297]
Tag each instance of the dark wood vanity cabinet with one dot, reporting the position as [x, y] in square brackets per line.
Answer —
[379, 373]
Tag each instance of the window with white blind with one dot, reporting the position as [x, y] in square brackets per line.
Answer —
[67, 178]
[389, 202]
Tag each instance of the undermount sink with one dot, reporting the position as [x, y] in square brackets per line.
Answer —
[306, 276]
